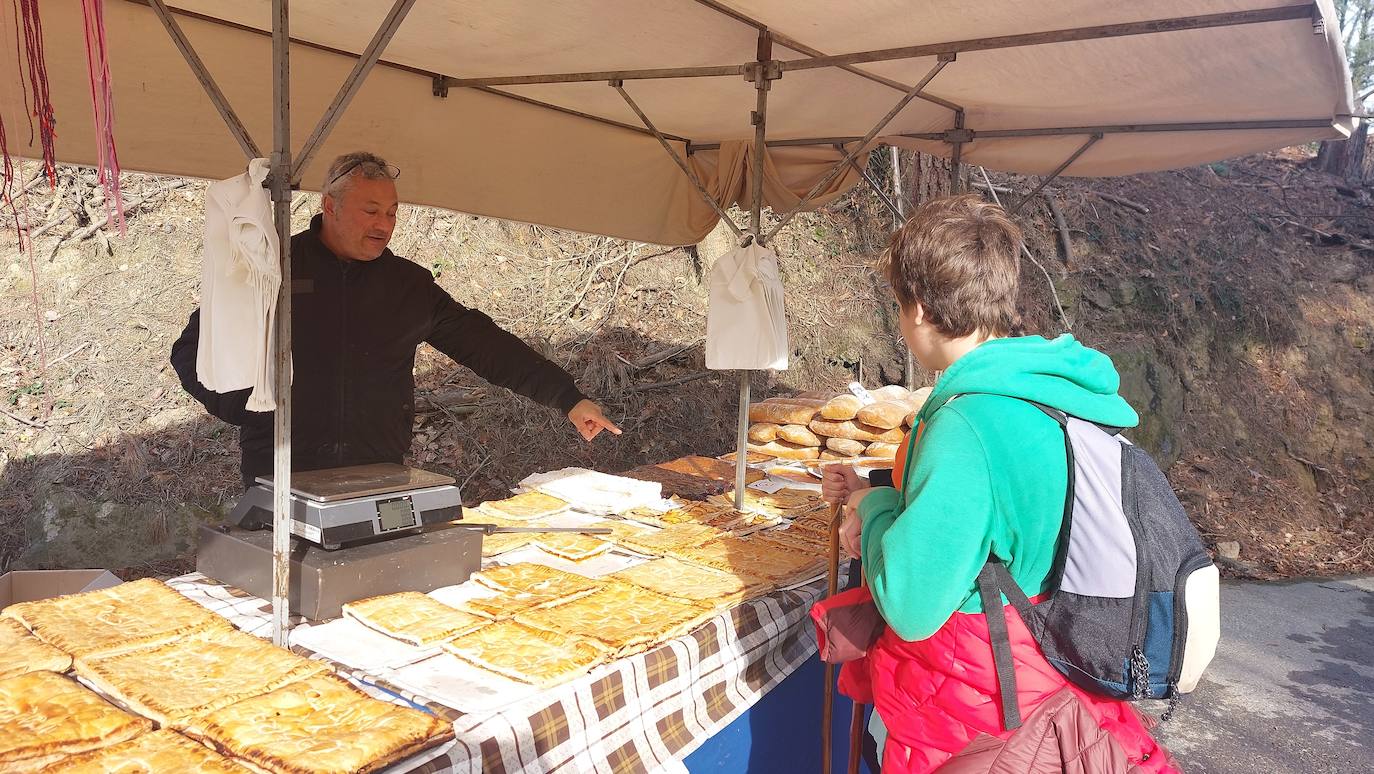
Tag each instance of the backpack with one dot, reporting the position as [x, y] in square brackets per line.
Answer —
[1133, 609]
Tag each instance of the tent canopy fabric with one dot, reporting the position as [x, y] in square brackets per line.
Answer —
[574, 155]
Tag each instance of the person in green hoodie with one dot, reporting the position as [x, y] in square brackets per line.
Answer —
[985, 474]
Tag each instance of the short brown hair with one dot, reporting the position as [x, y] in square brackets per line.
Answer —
[959, 258]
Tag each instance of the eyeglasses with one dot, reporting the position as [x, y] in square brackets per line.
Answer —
[391, 170]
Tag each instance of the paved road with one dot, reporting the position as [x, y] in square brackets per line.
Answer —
[1292, 686]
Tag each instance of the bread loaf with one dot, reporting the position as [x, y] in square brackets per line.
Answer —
[881, 450]
[886, 414]
[786, 451]
[800, 435]
[797, 400]
[841, 407]
[763, 432]
[855, 431]
[830, 455]
[910, 419]
[845, 447]
[783, 413]
[890, 392]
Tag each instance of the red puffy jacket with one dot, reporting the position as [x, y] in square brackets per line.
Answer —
[936, 695]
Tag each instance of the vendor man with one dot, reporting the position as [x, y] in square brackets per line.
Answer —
[358, 313]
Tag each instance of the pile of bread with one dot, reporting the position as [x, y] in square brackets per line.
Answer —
[834, 427]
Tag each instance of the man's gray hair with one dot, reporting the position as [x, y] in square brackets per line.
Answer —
[343, 169]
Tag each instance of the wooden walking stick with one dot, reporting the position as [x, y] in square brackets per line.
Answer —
[832, 585]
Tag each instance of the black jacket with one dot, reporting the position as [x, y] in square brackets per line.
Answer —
[355, 327]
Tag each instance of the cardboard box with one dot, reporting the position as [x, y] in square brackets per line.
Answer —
[29, 585]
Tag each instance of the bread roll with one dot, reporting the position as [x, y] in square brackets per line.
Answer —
[882, 450]
[841, 407]
[845, 447]
[855, 431]
[763, 432]
[919, 397]
[890, 392]
[910, 419]
[783, 413]
[800, 435]
[786, 451]
[886, 414]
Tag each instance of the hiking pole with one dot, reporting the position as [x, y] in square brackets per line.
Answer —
[832, 585]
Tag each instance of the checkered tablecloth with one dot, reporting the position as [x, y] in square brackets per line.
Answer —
[644, 713]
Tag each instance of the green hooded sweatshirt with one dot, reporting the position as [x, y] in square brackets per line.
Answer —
[987, 477]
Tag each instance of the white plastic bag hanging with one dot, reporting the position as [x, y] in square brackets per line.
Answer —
[746, 323]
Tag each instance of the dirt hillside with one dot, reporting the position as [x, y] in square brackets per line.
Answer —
[1237, 300]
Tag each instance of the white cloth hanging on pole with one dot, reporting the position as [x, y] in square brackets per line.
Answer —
[746, 322]
[240, 277]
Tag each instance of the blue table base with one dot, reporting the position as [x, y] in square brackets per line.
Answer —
[781, 734]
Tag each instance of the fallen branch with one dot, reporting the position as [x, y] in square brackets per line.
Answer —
[1129, 204]
[670, 382]
[655, 358]
[1328, 238]
[1001, 189]
[22, 420]
[89, 231]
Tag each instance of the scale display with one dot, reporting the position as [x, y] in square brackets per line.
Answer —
[396, 513]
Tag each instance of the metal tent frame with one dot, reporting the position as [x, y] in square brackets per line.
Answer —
[761, 72]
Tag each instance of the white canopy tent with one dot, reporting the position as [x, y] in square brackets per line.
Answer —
[560, 113]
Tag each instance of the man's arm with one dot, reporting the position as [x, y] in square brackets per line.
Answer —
[228, 406]
[473, 339]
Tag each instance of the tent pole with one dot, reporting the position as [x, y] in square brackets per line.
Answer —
[909, 366]
[1056, 173]
[281, 208]
[681, 164]
[950, 48]
[207, 82]
[860, 145]
[764, 72]
[350, 86]
[956, 156]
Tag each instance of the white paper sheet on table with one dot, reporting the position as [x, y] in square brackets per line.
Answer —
[595, 567]
[453, 682]
[593, 492]
[349, 642]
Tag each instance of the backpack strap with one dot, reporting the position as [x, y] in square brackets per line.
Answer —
[989, 580]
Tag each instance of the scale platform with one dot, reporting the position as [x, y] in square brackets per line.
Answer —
[339, 506]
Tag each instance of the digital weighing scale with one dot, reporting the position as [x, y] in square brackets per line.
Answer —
[347, 505]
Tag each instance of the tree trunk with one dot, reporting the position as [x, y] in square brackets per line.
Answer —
[1350, 159]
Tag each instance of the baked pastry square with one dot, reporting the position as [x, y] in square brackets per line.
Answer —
[533, 656]
[22, 652]
[322, 725]
[120, 618]
[693, 583]
[535, 579]
[623, 617]
[573, 546]
[45, 717]
[155, 753]
[180, 681]
[672, 536]
[526, 506]
[761, 557]
[412, 617]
